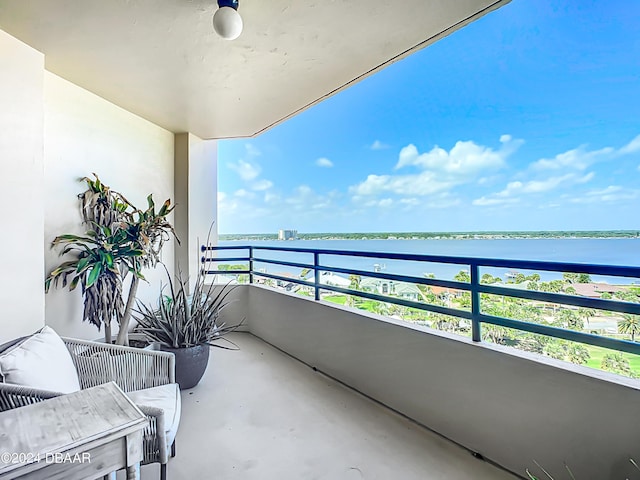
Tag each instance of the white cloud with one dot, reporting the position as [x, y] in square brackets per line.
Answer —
[518, 188]
[242, 193]
[492, 201]
[303, 190]
[425, 183]
[303, 197]
[484, 180]
[631, 147]
[252, 151]
[378, 145]
[324, 162]
[586, 178]
[221, 196]
[247, 170]
[271, 198]
[605, 191]
[246, 167]
[384, 203]
[576, 159]
[610, 194]
[533, 186]
[464, 160]
[441, 170]
[262, 184]
[411, 202]
[580, 158]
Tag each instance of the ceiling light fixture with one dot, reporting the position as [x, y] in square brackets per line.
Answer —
[227, 22]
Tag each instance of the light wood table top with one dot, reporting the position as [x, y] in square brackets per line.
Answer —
[79, 435]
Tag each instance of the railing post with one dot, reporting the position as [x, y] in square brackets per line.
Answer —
[316, 262]
[250, 264]
[475, 303]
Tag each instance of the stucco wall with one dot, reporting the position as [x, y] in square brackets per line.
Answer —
[196, 190]
[83, 134]
[512, 407]
[21, 191]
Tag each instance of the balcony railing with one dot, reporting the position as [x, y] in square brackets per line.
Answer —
[472, 286]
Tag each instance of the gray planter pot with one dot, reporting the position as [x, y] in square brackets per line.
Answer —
[191, 363]
[135, 337]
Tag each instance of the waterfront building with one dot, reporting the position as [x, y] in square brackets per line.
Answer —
[287, 235]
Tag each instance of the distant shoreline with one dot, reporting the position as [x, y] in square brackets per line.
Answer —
[497, 235]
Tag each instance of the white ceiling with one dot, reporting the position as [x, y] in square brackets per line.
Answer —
[161, 59]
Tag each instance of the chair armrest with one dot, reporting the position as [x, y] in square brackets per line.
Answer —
[14, 396]
[131, 368]
[155, 443]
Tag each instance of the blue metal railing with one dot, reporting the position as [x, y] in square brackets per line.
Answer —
[475, 287]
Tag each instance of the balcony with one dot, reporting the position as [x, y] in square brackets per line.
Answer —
[260, 414]
[509, 406]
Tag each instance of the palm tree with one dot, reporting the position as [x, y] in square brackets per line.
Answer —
[630, 325]
[587, 313]
[570, 319]
[578, 354]
[462, 276]
[616, 363]
[355, 281]
[584, 278]
[497, 334]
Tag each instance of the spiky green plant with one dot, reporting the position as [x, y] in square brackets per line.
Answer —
[571, 476]
[182, 320]
[548, 475]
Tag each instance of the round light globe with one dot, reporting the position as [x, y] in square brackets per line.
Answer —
[227, 23]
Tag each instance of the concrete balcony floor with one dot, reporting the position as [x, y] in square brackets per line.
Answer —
[260, 414]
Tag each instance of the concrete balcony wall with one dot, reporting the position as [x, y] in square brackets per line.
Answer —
[52, 134]
[510, 406]
[196, 193]
[237, 312]
[85, 133]
[21, 191]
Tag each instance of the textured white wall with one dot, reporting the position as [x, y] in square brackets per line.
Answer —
[83, 134]
[21, 188]
[513, 407]
[196, 189]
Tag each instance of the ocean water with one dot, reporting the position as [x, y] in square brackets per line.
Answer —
[613, 251]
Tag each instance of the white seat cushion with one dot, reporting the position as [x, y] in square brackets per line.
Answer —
[165, 397]
[40, 361]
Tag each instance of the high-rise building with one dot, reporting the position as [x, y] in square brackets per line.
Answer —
[287, 234]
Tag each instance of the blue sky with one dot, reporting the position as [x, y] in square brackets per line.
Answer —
[528, 119]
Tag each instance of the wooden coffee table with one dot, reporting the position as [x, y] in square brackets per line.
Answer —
[83, 435]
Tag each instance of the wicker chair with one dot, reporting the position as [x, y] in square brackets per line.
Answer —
[132, 369]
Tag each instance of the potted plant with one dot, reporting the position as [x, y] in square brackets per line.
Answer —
[120, 239]
[187, 325]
